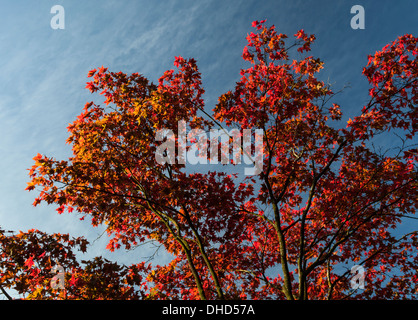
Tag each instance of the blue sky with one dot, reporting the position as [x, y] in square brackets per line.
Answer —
[43, 71]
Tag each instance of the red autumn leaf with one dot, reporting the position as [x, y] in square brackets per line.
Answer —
[29, 262]
[91, 73]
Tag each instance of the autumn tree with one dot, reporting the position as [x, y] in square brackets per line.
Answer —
[325, 200]
[29, 262]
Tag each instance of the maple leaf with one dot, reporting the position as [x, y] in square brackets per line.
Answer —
[91, 73]
[102, 70]
[29, 262]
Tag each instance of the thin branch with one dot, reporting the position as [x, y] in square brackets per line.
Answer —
[5, 293]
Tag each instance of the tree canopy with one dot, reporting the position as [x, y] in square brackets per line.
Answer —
[326, 199]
